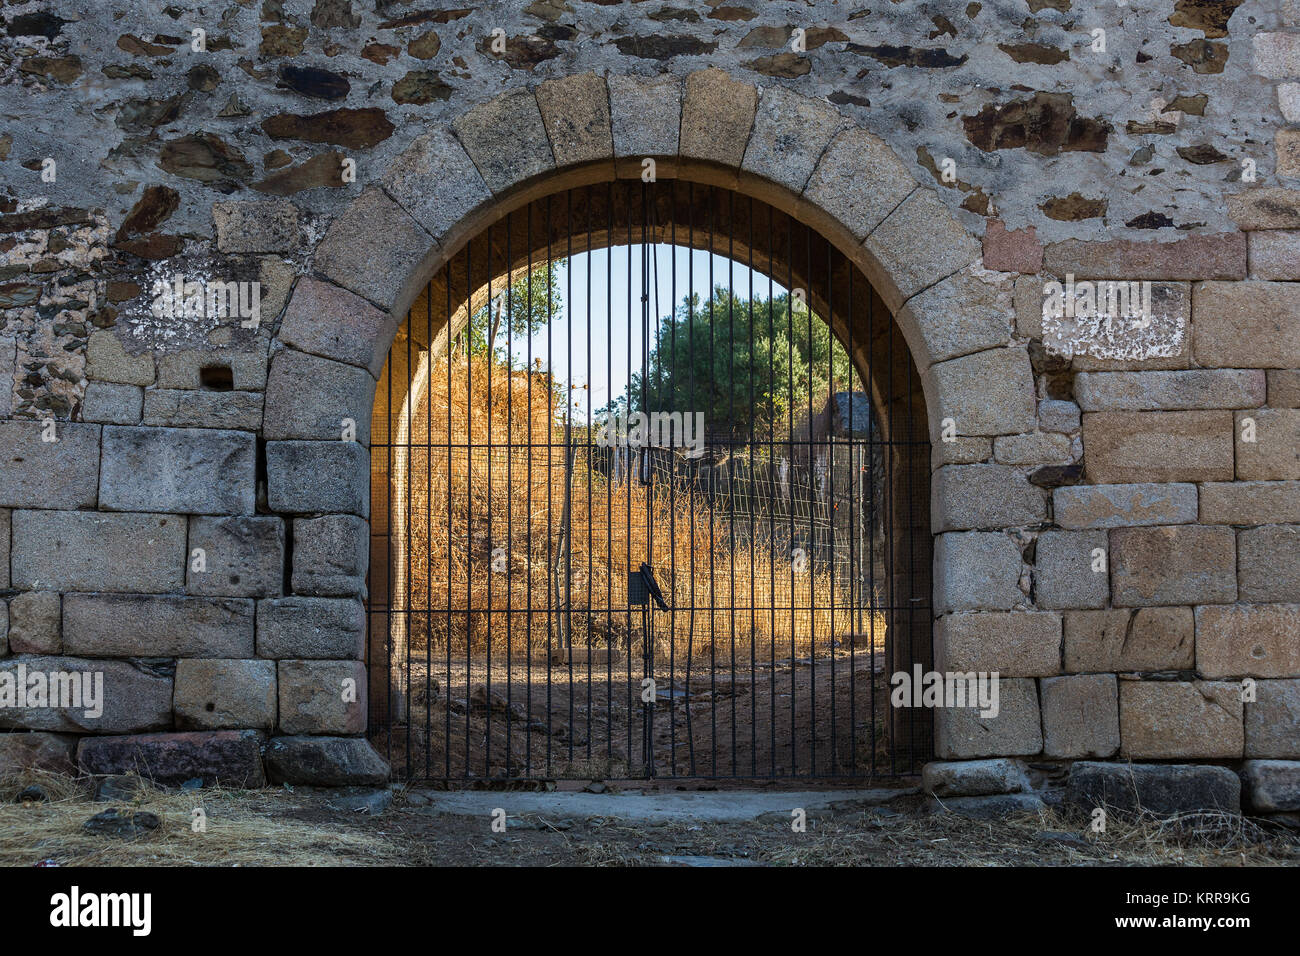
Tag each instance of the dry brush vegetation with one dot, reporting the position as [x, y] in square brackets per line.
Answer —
[489, 474]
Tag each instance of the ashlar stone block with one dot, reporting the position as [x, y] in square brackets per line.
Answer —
[309, 628]
[375, 249]
[976, 570]
[1080, 716]
[36, 623]
[189, 470]
[330, 556]
[1181, 564]
[1015, 644]
[48, 466]
[647, 114]
[1188, 446]
[838, 187]
[987, 393]
[98, 551]
[323, 319]
[507, 139]
[1071, 569]
[1248, 640]
[323, 477]
[1015, 731]
[437, 183]
[140, 625]
[225, 694]
[717, 115]
[242, 556]
[575, 112]
[1168, 720]
[790, 133]
[308, 397]
[322, 697]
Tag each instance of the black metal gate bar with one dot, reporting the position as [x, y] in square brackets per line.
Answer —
[802, 510]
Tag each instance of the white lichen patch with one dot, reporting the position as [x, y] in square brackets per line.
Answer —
[1145, 328]
[149, 325]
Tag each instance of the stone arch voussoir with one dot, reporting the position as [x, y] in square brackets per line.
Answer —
[841, 179]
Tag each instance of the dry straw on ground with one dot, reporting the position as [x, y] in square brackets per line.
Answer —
[912, 838]
[243, 828]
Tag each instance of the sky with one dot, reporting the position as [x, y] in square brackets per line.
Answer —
[612, 337]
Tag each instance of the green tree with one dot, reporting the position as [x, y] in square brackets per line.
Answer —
[516, 311]
[752, 367]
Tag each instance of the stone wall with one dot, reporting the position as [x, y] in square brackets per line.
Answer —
[179, 509]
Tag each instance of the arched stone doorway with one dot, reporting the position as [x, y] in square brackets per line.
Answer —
[842, 182]
[881, 464]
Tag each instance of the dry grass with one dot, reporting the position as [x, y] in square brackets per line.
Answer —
[1190, 837]
[282, 828]
[244, 828]
[945, 839]
[478, 510]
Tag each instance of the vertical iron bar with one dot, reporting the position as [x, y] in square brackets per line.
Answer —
[528, 498]
[911, 571]
[690, 364]
[614, 450]
[771, 454]
[672, 485]
[627, 200]
[731, 452]
[469, 489]
[789, 260]
[550, 440]
[854, 485]
[812, 526]
[407, 595]
[751, 498]
[487, 349]
[567, 619]
[428, 524]
[510, 492]
[647, 664]
[450, 517]
[891, 652]
[830, 484]
[388, 562]
[590, 564]
[876, 505]
[713, 579]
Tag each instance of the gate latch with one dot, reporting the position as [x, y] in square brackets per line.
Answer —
[651, 585]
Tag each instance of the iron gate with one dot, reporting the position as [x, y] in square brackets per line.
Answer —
[649, 498]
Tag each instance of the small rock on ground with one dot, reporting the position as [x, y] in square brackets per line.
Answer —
[989, 807]
[372, 802]
[117, 787]
[116, 823]
[686, 860]
[974, 778]
[1064, 839]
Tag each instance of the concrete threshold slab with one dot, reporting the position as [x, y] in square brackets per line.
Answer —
[721, 806]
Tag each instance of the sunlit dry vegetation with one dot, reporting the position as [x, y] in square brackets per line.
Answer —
[504, 513]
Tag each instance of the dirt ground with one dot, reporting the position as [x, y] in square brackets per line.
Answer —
[807, 717]
[315, 828]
